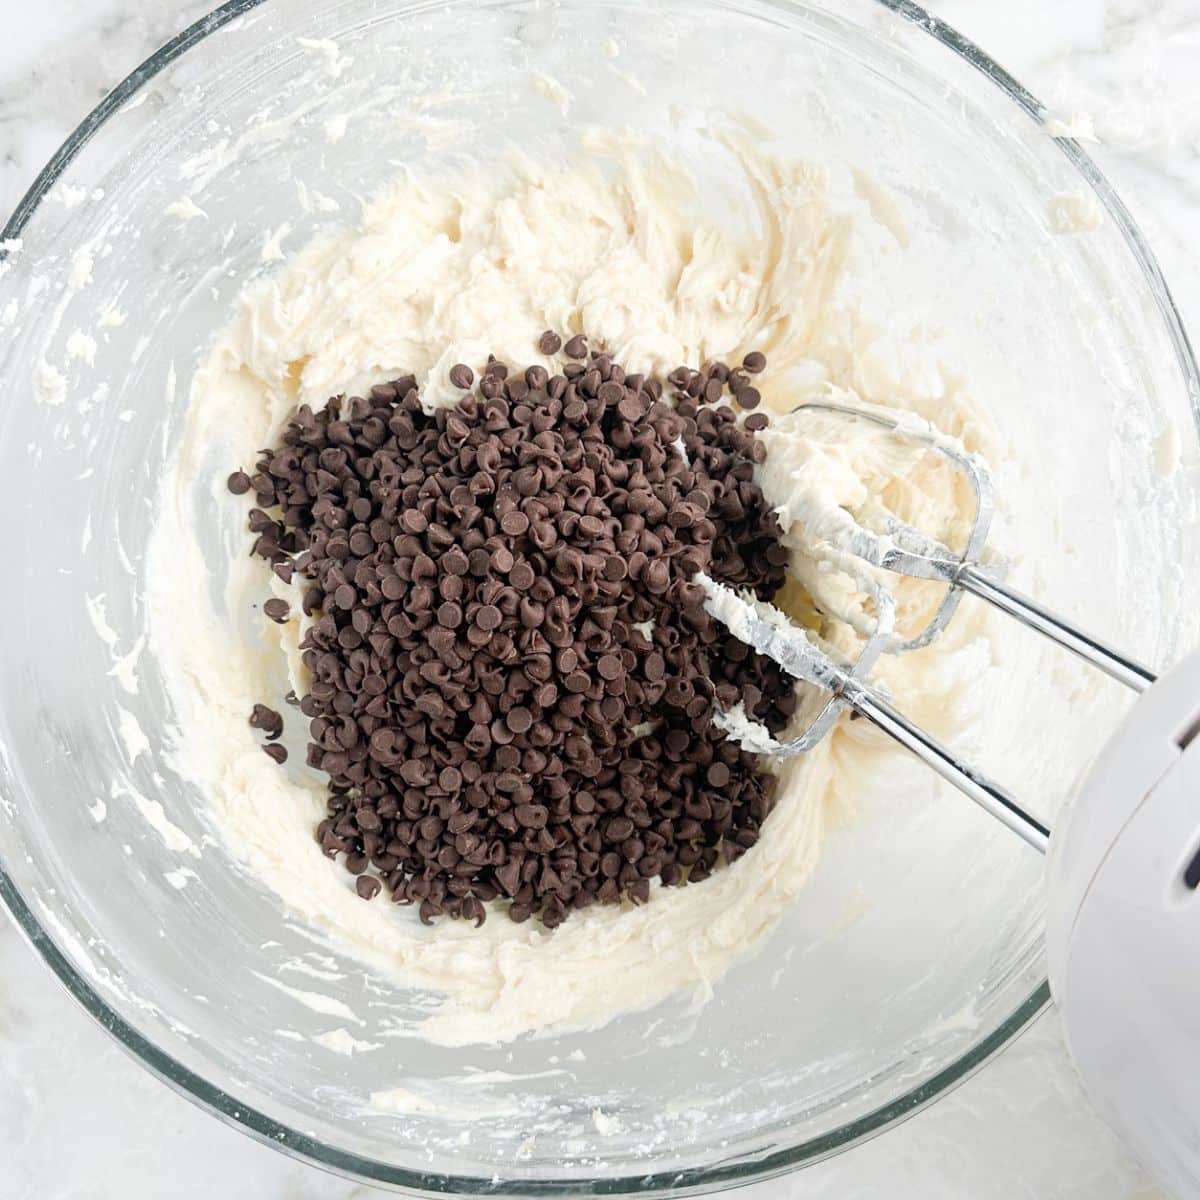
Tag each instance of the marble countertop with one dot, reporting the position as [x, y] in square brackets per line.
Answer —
[79, 1119]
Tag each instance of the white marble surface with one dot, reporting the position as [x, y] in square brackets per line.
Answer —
[80, 1119]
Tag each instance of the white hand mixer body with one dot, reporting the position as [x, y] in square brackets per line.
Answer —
[1123, 928]
[1123, 910]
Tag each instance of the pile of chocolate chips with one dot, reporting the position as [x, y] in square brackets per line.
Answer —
[513, 674]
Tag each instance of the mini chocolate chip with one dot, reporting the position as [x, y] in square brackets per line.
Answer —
[277, 752]
[576, 347]
[514, 523]
[461, 376]
[610, 667]
[239, 483]
[549, 342]
[367, 886]
[277, 610]
[749, 397]
[718, 774]
[519, 720]
[754, 362]
[657, 575]
[489, 617]
[615, 568]
[632, 407]
[266, 719]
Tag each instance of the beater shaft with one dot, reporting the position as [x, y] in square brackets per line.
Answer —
[1091, 649]
[990, 796]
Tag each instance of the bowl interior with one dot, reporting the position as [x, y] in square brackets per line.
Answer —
[919, 938]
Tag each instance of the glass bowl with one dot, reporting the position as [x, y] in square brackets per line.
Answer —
[916, 950]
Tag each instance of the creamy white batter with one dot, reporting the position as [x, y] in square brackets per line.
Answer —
[660, 269]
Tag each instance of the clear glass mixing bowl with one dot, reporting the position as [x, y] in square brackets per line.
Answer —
[916, 951]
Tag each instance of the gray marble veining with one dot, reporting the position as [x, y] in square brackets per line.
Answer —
[79, 1119]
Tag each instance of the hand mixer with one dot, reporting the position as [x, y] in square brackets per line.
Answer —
[1123, 913]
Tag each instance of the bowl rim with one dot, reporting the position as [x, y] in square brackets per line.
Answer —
[267, 1130]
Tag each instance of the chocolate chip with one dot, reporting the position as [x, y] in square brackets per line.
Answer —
[266, 719]
[489, 617]
[754, 362]
[239, 483]
[578, 681]
[277, 610]
[519, 720]
[275, 751]
[657, 576]
[514, 523]
[632, 406]
[461, 376]
[549, 342]
[368, 886]
[576, 347]
[610, 667]
[749, 397]
[718, 775]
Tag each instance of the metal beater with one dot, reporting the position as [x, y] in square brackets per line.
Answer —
[898, 547]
